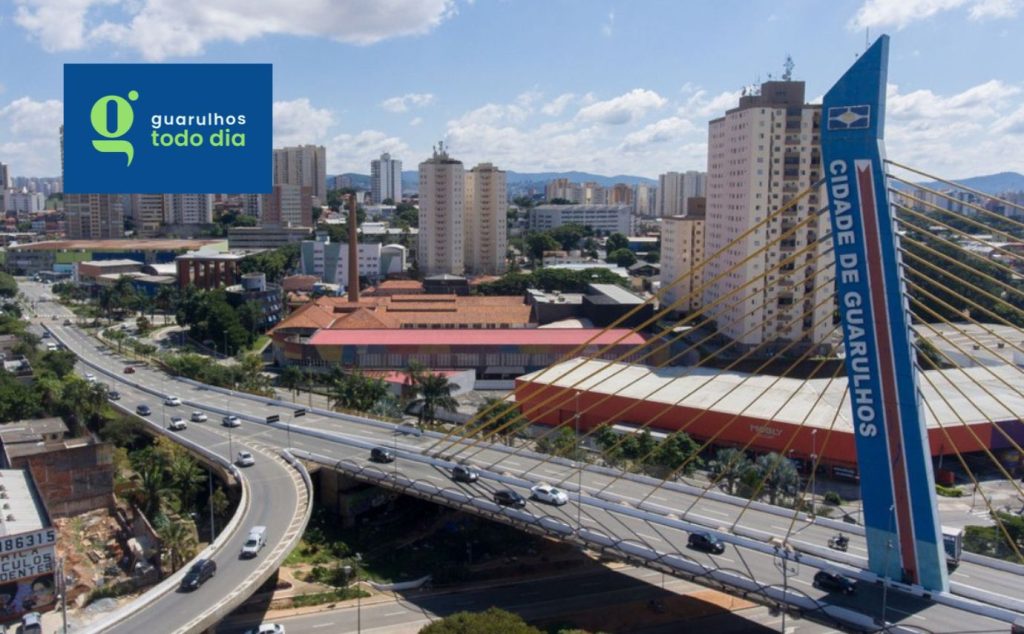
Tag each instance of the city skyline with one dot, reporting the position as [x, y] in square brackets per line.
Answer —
[646, 80]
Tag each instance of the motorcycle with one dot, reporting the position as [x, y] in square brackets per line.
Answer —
[839, 542]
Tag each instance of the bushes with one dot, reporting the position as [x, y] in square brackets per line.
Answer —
[949, 492]
[833, 498]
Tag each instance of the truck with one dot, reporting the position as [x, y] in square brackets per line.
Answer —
[953, 541]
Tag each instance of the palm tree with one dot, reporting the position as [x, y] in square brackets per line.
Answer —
[728, 466]
[776, 475]
[178, 542]
[436, 392]
[501, 418]
[291, 379]
[188, 479]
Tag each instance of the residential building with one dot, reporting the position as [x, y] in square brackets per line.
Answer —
[188, 209]
[761, 154]
[93, 216]
[288, 206]
[674, 188]
[485, 225]
[441, 215]
[149, 213]
[386, 179]
[5, 176]
[303, 166]
[602, 219]
[644, 200]
[619, 194]
[23, 203]
[682, 261]
[563, 188]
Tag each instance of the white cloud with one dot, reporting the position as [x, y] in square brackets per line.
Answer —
[158, 29]
[700, 105]
[353, 152]
[415, 121]
[609, 26]
[406, 101]
[663, 131]
[298, 122]
[958, 135]
[900, 13]
[30, 136]
[555, 107]
[624, 108]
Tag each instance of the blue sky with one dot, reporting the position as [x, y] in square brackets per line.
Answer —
[537, 85]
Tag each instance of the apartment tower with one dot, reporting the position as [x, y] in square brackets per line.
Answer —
[386, 179]
[682, 259]
[441, 215]
[485, 237]
[761, 154]
[303, 166]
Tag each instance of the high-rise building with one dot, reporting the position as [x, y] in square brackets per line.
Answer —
[682, 256]
[5, 177]
[761, 154]
[189, 209]
[148, 212]
[93, 216]
[563, 188]
[386, 179]
[287, 205]
[303, 166]
[619, 194]
[485, 224]
[675, 187]
[644, 200]
[441, 215]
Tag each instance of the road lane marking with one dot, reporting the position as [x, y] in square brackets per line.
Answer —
[319, 625]
[657, 539]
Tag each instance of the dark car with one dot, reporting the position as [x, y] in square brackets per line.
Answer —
[143, 410]
[463, 473]
[380, 454]
[706, 542]
[508, 497]
[198, 574]
[834, 582]
[129, 369]
[114, 395]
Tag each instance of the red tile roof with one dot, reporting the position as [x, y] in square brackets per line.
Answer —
[475, 337]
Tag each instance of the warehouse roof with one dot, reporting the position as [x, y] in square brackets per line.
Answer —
[475, 337]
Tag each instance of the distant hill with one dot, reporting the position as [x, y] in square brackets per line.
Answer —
[991, 184]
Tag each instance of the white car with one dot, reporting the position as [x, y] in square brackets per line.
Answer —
[231, 421]
[267, 628]
[549, 495]
[177, 424]
[90, 377]
[245, 459]
[198, 417]
[172, 401]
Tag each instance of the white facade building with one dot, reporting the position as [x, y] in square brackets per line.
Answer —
[760, 156]
[682, 257]
[441, 215]
[303, 166]
[603, 219]
[386, 179]
[329, 261]
[674, 188]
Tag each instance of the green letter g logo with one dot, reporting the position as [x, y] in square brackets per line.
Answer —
[123, 118]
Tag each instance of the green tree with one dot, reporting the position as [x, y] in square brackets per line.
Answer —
[187, 478]
[569, 235]
[502, 417]
[356, 391]
[275, 263]
[729, 466]
[561, 442]
[538, 243]
[177, 543]
[622, 257]
[436, 392]
[291, 379]
[676, 452]
[775, 475]
[615, 242]
[8, 285]
[60, 363]
[492, 621]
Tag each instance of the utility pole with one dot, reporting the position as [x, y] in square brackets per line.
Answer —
[62, 580]
[213, 526]
[579, 467]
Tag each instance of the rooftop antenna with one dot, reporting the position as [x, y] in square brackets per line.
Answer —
[788, 66]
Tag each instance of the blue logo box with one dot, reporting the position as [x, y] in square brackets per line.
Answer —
[168, 128]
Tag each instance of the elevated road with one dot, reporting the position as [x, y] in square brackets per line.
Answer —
[623, 513]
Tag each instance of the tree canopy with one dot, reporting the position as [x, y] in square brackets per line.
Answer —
[490, 621]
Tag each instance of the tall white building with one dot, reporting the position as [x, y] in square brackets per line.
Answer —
[645, 200]
[441, 215]
[303, 166]
[485, 225]
[386, 179]
[22, 202]
[760, 155]
[149, 212]
[329, 260]
[682, 256]
[674, 188]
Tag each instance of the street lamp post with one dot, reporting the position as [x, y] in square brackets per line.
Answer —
[579, 467]
[885, 565]
[814, 461]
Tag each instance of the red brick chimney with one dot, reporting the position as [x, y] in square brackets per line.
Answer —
[353, 250]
